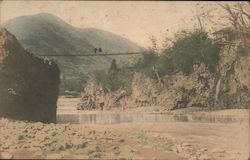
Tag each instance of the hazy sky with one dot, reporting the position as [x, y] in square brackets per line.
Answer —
[133, 20]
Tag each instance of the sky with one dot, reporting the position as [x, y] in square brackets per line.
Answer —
[135, 20]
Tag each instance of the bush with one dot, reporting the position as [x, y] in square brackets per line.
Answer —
[72, 84]
[145, 64]
[121, 80]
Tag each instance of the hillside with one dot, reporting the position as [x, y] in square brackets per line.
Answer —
[47, 34]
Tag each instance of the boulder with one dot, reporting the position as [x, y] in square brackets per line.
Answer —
[29, 85]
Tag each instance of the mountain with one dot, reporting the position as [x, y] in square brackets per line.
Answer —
[47, 34]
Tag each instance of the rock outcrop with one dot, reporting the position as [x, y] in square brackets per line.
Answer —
[97, 97]
[29, 85]
[234, 78]
[174, 91]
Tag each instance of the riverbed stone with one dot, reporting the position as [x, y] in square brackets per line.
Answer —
[95, 155]
[81, 145]
[54, 156]
[204, 157]
[6, 155]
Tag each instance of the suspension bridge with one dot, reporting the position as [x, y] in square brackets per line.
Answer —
[94, 54]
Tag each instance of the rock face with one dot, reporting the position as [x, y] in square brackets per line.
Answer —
[96, 97]
[234, 76]
[29, 85]
[175, 91]
[172, 92]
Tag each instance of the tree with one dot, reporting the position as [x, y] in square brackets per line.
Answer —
[113, 70]
[238, 14]
[190, 48]
[154, 47]
[224, 14]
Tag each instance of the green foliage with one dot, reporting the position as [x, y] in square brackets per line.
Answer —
[145, 64]
[71, 84]
[121, 80]
[194, 48]
[189, 49]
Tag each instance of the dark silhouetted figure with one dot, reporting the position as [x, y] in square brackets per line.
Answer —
[95, 50]
[100, 49]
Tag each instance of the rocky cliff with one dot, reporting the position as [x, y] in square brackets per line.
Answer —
[233, 85]
[28, 85]
[173, 91]
[228, 87]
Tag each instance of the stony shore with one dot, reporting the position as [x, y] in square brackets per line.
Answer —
[177, 140]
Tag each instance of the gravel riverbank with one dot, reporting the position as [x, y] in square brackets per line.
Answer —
[178, 140]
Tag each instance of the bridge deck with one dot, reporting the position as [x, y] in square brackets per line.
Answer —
[94, 54]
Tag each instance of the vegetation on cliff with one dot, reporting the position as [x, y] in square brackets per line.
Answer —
[195, 69]
[189, 49]
[116, 78]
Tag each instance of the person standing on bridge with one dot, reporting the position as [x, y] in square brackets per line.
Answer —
[95, 50]
[100, 49]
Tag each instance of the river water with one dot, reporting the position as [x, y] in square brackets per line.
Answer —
[67, 113]
[114, 118]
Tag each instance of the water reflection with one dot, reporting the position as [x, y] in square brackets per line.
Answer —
[114, 118]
